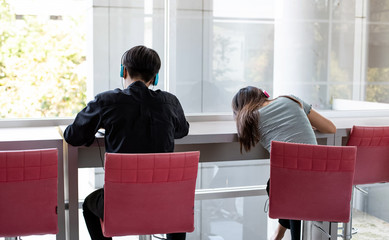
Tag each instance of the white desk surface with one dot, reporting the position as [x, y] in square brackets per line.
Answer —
[199, 132]
[207, 132]
[347, 123]
[29, 134]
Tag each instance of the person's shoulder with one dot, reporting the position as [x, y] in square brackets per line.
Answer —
[108, 93]
[167, 96]
[294, 96]
[108, 96]
[290, 97]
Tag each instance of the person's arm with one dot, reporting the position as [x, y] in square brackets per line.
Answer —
[181, 125]
[85, 126]
[321, 123]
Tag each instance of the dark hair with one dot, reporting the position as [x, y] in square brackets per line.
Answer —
[245, 105]
[141, 62]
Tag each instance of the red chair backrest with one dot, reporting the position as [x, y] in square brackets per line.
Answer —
[372, 164]
[311, 182]
[28, 192]
[149, 193]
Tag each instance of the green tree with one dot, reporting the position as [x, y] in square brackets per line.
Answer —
[42, 65]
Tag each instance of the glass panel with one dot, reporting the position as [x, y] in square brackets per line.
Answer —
[342, 53]
[341, 64]
[230, 219]
[314, 51]
[218, 52]
[304, 10]
[42, 58]
[377, 80]
[379, 11]
[340, 91]
[233, 174]
[371, 212]
[246, 9]
[242, 55]
[188, 67]
[343, 11]
[301, 61]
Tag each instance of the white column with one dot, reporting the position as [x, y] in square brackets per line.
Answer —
[299, 60]
[98, 48]
[360, 49]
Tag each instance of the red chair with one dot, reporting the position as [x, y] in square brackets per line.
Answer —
[311, 182]
[148, 194]
[28, 188]
[372, 164]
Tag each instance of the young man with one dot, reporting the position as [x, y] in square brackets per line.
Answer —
[136, 120]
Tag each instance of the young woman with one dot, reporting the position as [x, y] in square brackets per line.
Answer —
[286, 118]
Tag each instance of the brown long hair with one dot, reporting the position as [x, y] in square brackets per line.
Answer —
[245, 105]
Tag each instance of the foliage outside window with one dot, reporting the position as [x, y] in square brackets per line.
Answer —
[42, 65]
[377, 85]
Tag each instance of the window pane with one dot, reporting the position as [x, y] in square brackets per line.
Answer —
[219, 51]
[242, 54]
[377, 80]
[322, 51]
[370, 212]
[188, 55]
[231, 218]
[314, 51]
[42, 58]
[341, 63]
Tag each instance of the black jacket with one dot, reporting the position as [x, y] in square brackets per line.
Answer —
[136, 120]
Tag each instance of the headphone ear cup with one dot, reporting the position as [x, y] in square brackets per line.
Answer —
[121, 70]
[156, 80]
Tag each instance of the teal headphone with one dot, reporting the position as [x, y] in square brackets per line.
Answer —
[121, 70]
[122, 75]
[156, 80]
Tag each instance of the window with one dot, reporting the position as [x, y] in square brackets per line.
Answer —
[377, 74]
[42, 58]
[326, 52]
[333, 54]
[237, 51]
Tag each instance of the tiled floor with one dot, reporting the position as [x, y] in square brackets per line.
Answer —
[369, 227]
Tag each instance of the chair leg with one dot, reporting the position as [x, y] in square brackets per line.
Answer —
[347, 230]
[323, 231]
[145, 237]
[347, 227]
[306, 230]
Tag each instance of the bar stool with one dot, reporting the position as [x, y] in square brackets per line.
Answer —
[28, 188]
[310, 182]
[372, 164]
[147, 194]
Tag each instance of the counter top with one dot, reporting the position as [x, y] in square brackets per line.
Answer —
[199, 131]
[29, 134]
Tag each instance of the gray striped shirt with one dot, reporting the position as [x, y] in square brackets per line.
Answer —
[284, 120]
